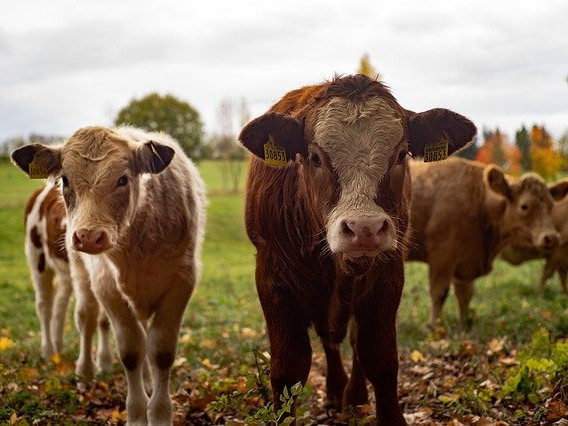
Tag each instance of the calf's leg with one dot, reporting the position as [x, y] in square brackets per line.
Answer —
[562, 272]
[440, 279]
[104, 357]
[290, 350]
[356, 390]
[162, 345]
[43, 284]
[547, 272]
[335, 379]
[63, 289]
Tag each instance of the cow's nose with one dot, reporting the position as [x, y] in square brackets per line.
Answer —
[90, 241]
[550, 240]
[365, 233]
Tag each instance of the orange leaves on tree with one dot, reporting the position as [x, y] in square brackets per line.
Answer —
[545, 160]
[497, 149]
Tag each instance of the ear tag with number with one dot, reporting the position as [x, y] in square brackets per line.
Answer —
[436, 151]
[274, 155]
[37, 170]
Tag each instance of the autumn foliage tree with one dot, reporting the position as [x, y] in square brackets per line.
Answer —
[545, 160]
[497, 149]
[523, 142]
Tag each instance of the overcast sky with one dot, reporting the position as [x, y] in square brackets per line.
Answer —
[67, 64]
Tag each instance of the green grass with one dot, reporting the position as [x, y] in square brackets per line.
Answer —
[224, 320]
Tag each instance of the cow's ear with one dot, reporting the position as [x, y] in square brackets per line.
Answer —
[286, 132]
[496, 181]
[436, 125]
[559, 190]
[153, 157]
[38, 161]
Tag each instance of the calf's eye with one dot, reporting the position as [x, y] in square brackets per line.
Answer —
[524, 207]
[64, 181]
[122, 181]
[315, 159]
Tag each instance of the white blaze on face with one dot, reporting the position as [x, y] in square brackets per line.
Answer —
[360, 140]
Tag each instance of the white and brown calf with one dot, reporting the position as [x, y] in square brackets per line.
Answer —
[135, 206]
[54, 277]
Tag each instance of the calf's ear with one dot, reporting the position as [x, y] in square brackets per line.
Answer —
[436, 125]
[38, 161]
[495, 179]
[286, 132]
[559, 190]
[153, 157]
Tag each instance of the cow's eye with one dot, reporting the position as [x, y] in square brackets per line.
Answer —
[401, 156]
[315, 159]
[524, 207]
[64, 181]
[122, 181]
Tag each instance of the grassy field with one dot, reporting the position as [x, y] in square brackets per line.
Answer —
[224, 329]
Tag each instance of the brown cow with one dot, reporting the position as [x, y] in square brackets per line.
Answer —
[462, 214]
[557, 258]
[136, 219]
[329, 228]
[53, 278]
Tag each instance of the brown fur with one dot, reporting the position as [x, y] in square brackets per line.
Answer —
[300, 281]
[557, 258]
[462, 214]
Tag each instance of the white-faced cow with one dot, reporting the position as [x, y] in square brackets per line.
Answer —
[135, 206]
[54, 275]
[329, 228]
[463, 213]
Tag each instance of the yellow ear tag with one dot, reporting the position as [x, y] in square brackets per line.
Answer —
[37, 170]
[274, 155]
[436, 151]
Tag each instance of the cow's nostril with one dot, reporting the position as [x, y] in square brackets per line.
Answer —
[100, 239]
[346, 229]
[382, 227]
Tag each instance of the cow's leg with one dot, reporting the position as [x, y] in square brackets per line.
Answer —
[356, 390]
[547, 272]
[131, 342]
[86, 312]
[376, 349]
[104, 357]
[162, 345]
[464, 293]
[290, 349]
[63, 289]
[562, 272]
[42, 279]
[440, 279]
[336, 379]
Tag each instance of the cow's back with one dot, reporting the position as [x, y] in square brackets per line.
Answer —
[446, 210]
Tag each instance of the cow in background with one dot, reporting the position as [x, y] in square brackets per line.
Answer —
[463, 213]
[54, 276]
[135, 208]
[556, 258]
[327, 202]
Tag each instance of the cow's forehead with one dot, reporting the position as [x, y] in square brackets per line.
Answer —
[359, 137]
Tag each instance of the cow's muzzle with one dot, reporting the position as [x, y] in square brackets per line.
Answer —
[90, 241]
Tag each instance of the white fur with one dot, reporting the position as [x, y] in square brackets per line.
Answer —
[360, 139]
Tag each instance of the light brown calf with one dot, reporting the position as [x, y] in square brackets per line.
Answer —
[53, 277]
[557, 258]
[135, 207]
[462, 214]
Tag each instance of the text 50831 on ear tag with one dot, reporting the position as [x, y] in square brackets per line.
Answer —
[436, 151]
[274, 155]
[37, 171]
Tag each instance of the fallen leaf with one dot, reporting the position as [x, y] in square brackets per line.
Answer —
[448, 398]
[56, 358]
[416, 356]
[5, 343]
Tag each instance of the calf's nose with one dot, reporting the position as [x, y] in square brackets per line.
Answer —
[90, 241]
[365, 233]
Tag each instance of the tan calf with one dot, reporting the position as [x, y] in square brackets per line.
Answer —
[557, 258]
[462, 214]
[135, 207]
[53, 277]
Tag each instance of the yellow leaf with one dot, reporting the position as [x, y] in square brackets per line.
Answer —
[5, 343]
[13, 419]
[416, 356]
[249, 332]
[117, 415]
[209, 343]
[56, 358]
[448, 397]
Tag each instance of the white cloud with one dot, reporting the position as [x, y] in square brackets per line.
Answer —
[66, 64]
